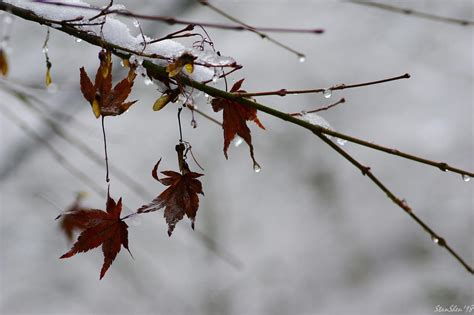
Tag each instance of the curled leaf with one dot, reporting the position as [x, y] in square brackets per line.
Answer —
[186, 60]
[179, 199]
[47, 79]
[235, 117]
[161, 102]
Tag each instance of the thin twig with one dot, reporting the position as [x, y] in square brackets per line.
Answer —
[251, 28]
[194, 108]
[342, 100]
[160, 72]
[173, 21]
[284, 92]
[424, 15]
[157, 72]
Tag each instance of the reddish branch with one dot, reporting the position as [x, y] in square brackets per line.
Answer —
[284, 92]
[174, 21]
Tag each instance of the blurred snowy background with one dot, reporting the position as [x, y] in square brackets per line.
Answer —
[308, 234]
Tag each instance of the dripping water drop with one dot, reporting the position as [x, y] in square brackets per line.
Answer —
[78, 40]
[256, 168]
[301, 58]
[45, 50]
[466, 178]
[327, 93]
[193, 123]
[435, 239]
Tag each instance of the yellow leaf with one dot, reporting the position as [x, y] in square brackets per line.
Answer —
[189, 67]
[131, 74]
[105, 62]
[125, 63]
[47, 79]
[161, 102]
[3, 63]
[173, 69]
[96, 108]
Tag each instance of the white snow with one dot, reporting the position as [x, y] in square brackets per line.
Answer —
[118, 33]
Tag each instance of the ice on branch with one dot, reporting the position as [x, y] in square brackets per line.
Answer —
[317, 120]
[118, 33]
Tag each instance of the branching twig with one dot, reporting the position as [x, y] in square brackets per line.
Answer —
[252, 29]
[174, 21]
[342, 100]
[284, 92]
[158, 72]
[424, 15]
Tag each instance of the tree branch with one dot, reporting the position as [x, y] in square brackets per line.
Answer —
[424, 15]
[159, 72]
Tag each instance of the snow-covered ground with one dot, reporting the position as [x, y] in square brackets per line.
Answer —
[306, 235]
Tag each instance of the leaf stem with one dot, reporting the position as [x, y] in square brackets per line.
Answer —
[107, 179]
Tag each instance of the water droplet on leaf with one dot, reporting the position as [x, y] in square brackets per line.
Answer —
[327, 93]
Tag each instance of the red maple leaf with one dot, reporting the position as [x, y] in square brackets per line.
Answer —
[179, 198]
[101, 228]
[104, 100]
[235, 117]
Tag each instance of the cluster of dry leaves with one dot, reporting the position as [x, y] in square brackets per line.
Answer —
[107, 228]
